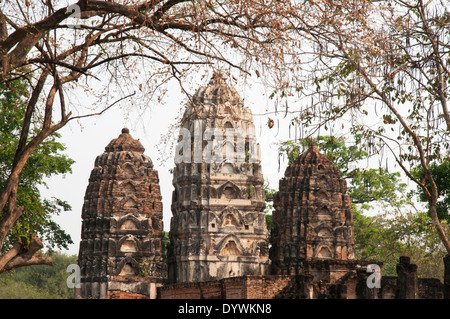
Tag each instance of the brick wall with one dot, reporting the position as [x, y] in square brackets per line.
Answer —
[125, 295]
[245, 287]
[350, 284]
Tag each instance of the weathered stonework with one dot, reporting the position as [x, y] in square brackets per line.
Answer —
[407, 284]
[351, 285]
[121, 249]
[447, 276]
[243, 287]
[313, 217]
[312, 231]
[218, 228]
[312, 251]
[218, 237]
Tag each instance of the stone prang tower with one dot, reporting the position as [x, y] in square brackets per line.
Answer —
[121, 239]
[218, 228]
[313, 219]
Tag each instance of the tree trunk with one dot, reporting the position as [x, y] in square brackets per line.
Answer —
[438, 226]
[20, 256]
[7, 196]
[432, 195]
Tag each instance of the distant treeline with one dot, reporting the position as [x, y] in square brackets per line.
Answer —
[39, 282]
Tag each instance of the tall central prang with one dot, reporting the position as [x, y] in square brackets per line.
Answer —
[218, 228]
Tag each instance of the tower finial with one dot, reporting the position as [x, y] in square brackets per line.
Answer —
[217, 77]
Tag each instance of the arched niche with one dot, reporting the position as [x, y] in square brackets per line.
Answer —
[128, 270]
[128, 244]
[321, 196]
[323, 182]
[230, 216]
[230, 246]
[128, 266]
[129, 188]
[130, 203]
[228, 125]
[128, 171]
[230, 249]
[129, 224]
[324, 253]
[128, 157]
[230, 220]
[229, 191]
[227, 168]
[324, 213]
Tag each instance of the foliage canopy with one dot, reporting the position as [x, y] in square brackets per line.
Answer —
[47, 160]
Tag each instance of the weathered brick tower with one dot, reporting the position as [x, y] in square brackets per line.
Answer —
[313, 219]
[218, 228]
[312, 241]
[121, 239]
